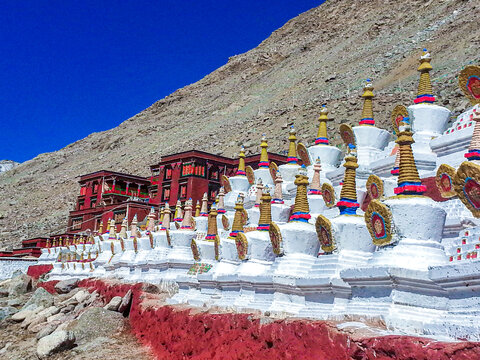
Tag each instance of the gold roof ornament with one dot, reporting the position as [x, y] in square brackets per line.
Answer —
[425, 92]
[188, 218]
[212, 224]
[315, 187]
[469, 83]
[265, 211]
[238, 221]
[323, 226]
[444, 181]
[378, 219]
[408, 182]
[301, 210]
[367, 111]
[277, 192]
[292, 147]
[322, 137]
[166, 218]
[241, 162]
[263, 154]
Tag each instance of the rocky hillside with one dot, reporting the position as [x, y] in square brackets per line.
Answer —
[322, 56]
[6, 165]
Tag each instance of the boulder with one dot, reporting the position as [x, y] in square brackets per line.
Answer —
[126, 300]
[96, 322]
[54, 343]
[40, 297]
[47, 329]
[57, 317]
[17, 301]
[37, 320]
[65, 286]
[64, 297]
[113, 304]
[7, 311]
[23, 314]
[19, 285]
[40, 316]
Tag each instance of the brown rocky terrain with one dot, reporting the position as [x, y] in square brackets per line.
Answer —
[322, 56]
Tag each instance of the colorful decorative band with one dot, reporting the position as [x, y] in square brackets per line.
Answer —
[395, 171]
[410, 188]
[186, 227]
[300, 216]
[210, 236]
[425, 98]
[235, 232]
[203, 214]
[348, 203]
[314, 192]
[277, 201]
[292, 160]
[162, 228]
[263, 227]
[178, 219]
[321, 140]
[473, 155]
[341, 183]
[256, 205]
[263, 164]
[221, 211]
[241, 173]
[367, 121]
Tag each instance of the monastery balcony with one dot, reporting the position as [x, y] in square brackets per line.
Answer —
[134, 193]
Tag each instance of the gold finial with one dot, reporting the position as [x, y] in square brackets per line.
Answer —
[367, 112]
[322, 138]
[100, 228]
[408, 182]
[265, 211]
[348, 196]
[315, 187]
[197, 209]
[292, 147]
[212, 224]
[264, 155]
[425, 92]
[238, 219]
[241, 163]
[301, 209]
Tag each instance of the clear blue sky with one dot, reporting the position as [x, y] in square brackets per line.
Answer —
[70, 68]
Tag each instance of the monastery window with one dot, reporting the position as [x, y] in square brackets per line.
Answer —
[77, 223]
[93, 201]
[119, 215]
[83, 190]
[193, 169]
[212, 192]
[81, 204]
[183, 191]
[95, 188]
[167, 175]
[166, 194]
[214, 173]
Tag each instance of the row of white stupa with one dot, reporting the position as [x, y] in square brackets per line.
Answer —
[252, 252]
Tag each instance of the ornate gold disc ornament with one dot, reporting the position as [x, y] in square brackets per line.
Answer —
[328, 194]
[225, 223]
[216, 247]
[273, 170]
[303, 154]
[325, 234]
[226, 184]
[469, 83]
[467, 186]
[374, 187]
[348, 136]
[399, 115]
[250, 175]
[169, 240]
[378, 218]
[444, 181]
[242, 246]
[195, 252]
[275, 238]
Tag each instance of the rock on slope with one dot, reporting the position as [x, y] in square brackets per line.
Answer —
[6, 165]
[322, 56]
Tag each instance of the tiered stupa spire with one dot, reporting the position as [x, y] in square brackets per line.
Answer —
[474, 148]
[166, 218]
[277, 192]
[197, 209]
[241, 163]
[133, 227]
[221, 201]
[264, 163]
[151, 220]
[348, 204]
[367, 111]
[301, 209]
[265, 212]
[162, 213]
[204, 209]
[178, 217]
[425, 92]
[292, 147]
[112, 234]
[188, 218]
[100, 227]
[315, 186]
[322, 137]
[259, 192]
[123, 229]
[237, 225]
[408, 182]
[212, 224]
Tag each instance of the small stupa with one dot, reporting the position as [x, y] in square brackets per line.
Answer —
[178, 217]
[263, 171]
[188, 218]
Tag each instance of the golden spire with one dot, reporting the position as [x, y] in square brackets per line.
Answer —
[204, 210]
[315, 187]
[474, 148]
[123, 229]
[292, 147]
[100, 228]
[212, 224]
[241, 163]
[425, 92]
[151, 220]
[188, 218]
[265, 212]
[197, 209]
[166, 218]
[408, 182]
[178, 212]
[264, 155]
[301, 209]
[133, 227]
[348, 204]
[277, 193]
[367, 112]
[259, 192]
[111, 234]
[238, 219]
[221, 201]
[322, 138]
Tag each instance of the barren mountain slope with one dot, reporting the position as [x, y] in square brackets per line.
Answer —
[322, 56]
